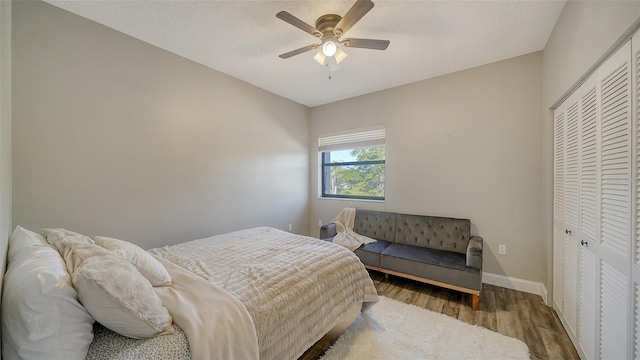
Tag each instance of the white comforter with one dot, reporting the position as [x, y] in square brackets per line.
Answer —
[205, 312]
[294, 288]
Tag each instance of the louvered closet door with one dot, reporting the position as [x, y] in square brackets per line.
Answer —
[614, 78]
[558, 208]
[635, 88]
[566, 212]
[594, 281]
[571, 211]
[588, 312]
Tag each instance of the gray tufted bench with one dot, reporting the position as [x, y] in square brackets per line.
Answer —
[434, 250]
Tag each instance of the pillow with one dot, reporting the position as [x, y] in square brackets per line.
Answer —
[53, 235]
[146, 264]
[21, 239]
[41, 316]
[114, 292]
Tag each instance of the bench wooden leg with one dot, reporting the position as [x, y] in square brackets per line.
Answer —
[475, 294]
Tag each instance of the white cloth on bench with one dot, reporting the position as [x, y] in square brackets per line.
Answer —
[345, 236]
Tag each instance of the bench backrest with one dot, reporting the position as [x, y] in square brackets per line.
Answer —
[433, 232]
[379, 225]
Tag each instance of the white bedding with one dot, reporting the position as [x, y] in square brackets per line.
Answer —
[294, 288]
[216, 323]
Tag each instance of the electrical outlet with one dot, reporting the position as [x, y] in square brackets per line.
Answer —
[502, 249]
[320, 222]
[290, 227]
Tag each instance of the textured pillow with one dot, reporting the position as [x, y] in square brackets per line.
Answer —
[41, 315]
[146, 264]
[53, 235]
[114, 292]
[62, 240]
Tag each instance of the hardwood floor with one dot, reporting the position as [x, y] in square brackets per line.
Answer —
[509, 312]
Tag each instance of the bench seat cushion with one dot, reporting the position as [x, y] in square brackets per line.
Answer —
[443, 266]
[369, 254]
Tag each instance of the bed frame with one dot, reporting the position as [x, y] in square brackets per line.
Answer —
[322, 345]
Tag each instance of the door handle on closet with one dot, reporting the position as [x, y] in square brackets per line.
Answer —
[567, 232]
[583, 243]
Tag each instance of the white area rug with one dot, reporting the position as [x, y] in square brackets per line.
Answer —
[394, 330]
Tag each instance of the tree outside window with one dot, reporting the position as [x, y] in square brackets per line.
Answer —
[357, 173]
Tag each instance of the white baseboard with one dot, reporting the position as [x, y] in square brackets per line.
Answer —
[516, 284]
[544, 294]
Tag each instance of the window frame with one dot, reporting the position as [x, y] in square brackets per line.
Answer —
[325, 167]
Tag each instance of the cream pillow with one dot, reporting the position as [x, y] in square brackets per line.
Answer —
[41, 315]
[53, 235]
[146, 264]
[114, 292]
[62, 240]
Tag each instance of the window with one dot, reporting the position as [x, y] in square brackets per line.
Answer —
[353, 164]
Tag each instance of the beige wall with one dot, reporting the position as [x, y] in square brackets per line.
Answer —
[5, 133]
[113, 136]
[585, 32]
[460, 145]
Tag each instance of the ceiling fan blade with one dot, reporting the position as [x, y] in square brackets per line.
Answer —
[366, 43]
[298, 51]
[357, 11]
[287, 17]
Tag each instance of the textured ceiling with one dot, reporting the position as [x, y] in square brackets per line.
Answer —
[244, 38]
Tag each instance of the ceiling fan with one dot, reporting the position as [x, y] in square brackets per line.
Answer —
[329, 28]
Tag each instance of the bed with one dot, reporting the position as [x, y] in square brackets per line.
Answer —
[257, 293]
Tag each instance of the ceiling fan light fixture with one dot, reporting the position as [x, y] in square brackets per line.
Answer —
[320, 58]
[340, 55]
[332, 64]
[330, 61]
[329, 48]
